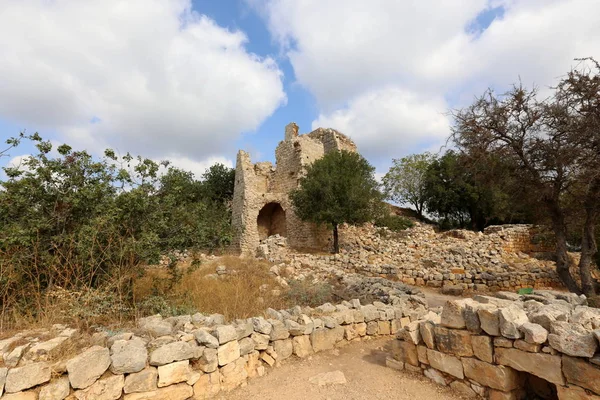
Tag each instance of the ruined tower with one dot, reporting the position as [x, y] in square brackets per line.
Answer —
[261, 204]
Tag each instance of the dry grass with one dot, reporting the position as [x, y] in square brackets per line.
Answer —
[247, 290]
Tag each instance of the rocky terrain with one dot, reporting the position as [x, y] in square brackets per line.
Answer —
[456, 260]
[541, 346]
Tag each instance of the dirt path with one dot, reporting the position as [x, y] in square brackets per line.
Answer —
[363, 365]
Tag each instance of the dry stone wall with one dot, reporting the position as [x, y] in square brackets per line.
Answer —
[539, 346]
[193, 356]
[260, 185]
[456, 261]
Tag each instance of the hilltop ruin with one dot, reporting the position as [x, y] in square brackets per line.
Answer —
[261, 204]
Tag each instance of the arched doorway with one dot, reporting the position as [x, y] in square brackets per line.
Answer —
[271, 221]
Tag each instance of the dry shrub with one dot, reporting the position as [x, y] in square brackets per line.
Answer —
[247, 290]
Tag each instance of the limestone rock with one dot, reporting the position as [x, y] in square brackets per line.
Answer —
[30, 395]
[452, 341]
[128, 356]
[511, 319]
[206, 339]
[88, 366]
[543, 366]
[534, 333]
[181, 391]
[25, 377]
[436, 376]
[209, 361]
[208, 386]
[233, 375]
[329, 378]
[452, 315]
[301, 346]
[573, 393]
[463, 389]
[495, 376]
[261, 341]
[3, 372]
[572, 339]
[228, 352]
[426, 328]
[143, 381]
[176, 372]
[261, 325]
[488, 317]
[325, 339]
[581, 373]
[483, 348]
[278, 331]
[171, 352]
[405, 352]
[155, 326]
[246, 346]
[56, 390]
[445, 363]
[225, 333]
[283, 348]
[103, 389]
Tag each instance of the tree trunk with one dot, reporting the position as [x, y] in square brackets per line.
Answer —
[562, 257]
[588, 240]
[336, 243]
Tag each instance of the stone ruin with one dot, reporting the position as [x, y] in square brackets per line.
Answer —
[507, 347]
[261, 205]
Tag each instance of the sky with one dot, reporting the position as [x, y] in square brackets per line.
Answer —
[193, 81]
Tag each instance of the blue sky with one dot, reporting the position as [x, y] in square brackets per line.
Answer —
[193, 81]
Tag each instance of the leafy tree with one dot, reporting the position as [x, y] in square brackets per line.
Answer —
[338, 188]
[405, 181]
[554, 146]
[218, 182]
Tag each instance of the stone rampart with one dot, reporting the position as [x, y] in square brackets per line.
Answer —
[192, 356]
[539, 346]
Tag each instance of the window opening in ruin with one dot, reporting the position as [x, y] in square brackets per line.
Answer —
[271, 221]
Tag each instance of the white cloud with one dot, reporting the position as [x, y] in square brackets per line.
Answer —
[147, 76]
[390, 121]
[386, 72]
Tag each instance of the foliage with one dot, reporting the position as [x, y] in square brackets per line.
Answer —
[405, 181]
[218, 183]
[393, 222]
[553, 146]
[74, 222]
[308, 292]
[338, 188]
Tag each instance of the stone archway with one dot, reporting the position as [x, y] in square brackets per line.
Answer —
[271, 221]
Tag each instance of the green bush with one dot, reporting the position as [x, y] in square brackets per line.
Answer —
[394, 222]
[74, 222]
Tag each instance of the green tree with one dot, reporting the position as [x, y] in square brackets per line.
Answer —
[554, 146]
[338, 188]
[218, 182]
[405, 181]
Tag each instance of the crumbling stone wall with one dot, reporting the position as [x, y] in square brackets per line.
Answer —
[261, 185]
[189, 356]
[540, 346]
[529, 239]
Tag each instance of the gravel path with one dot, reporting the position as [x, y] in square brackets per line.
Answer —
[363, 365]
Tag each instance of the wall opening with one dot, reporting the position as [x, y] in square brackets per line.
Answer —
[271, 221]
[536, 388]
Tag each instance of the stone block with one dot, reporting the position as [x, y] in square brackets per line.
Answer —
[128, 356]
[452, 314]
[171, 352]
[436, 376]
[483, 348]
[228, 352]
[283, 348]
[325, 339]
[573, 393]
[143, 381]
[530, 347]
[225, 333]
[422, 354]
[103, 389]
[511, 319]
[534, 333]
[208, 386]
[463, 389]
[488, 317]
[176, 372]
[542, 365]
[581, 373]
[405, 352]
[572, 339]
[56, 390]
[445, 363]
[27, 376]
[457, 342]
[494, 376]
[181, 391]
[426, 329]
[301, 346]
